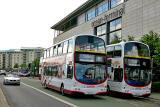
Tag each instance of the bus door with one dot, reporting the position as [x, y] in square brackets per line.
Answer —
[67, 74]
[117, 73]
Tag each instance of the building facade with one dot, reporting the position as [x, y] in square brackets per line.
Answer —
[110, 18]
[25, 55]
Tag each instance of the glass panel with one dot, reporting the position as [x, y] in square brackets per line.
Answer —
[136, 49]
[118, 23]
[55, 50]
[65, 47]
[48, 52]
[80, 57]
[70, 47]
[113, 25]
[98, 30]
[114, 3]
[51, 51]
[103, 8]
[45, 54]
[113, 34]
[118, 51]
[60, 48]
[90, 73]
[101, 30]
[90, 43]
[110, 51]
[91, 15]
[137, 71]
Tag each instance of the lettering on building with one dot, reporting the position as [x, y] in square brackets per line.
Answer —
[109, 16]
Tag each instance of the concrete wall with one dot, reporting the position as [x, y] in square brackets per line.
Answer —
[141, 16]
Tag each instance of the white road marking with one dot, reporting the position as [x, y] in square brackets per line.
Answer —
[51, 95]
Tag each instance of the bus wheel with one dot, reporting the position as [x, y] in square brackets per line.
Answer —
[45, 85]
[62, 89]
[108, 90]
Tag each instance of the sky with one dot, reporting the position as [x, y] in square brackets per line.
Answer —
[27, 23]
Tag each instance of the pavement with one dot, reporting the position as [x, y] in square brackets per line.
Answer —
[3, 101]
[155, 95]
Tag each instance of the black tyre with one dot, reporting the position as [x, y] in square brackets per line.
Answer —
[45, 84]
[62, 89]
[108, 90]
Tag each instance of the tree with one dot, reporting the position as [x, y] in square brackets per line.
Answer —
[23, 65]
[16, 66]
[35, 65]
[156, 57]
[152, 39]
[130, 38]
[116, 40]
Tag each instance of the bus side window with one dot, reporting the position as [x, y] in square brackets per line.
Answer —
[50, 72]
[60, 47]
[69, 71]
[118, 74]
[45, 54]
[110, 52]
[65, 47]
[109, 62]
[48, 53]
[70, 46]
[55, 50]
[46, 70]
[54, 70]
[118, 51]
[51, 51]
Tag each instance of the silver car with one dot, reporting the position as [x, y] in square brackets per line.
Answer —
[11, 79]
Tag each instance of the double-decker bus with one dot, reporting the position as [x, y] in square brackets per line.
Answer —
[77, 65]
[129, 68]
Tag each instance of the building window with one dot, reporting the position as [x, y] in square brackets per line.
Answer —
[115, 3]
[91, 14]
[101, 30]
[116, 24]
[114, 34]
[103, 8]
[81, 19]
[115, 29]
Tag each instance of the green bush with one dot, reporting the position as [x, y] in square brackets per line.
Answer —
[155, 86]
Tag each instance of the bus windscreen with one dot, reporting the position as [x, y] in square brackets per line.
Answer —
[136, 49]
[89, 43]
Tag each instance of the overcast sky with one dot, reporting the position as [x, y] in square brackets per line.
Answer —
[26, 23]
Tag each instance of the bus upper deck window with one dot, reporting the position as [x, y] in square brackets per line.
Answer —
[118, 51]
[110, 51]
[65, 47]
[70, 46]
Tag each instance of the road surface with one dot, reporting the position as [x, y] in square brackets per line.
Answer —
[32, 94]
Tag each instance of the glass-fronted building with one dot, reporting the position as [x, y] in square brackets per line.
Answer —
[110, 18]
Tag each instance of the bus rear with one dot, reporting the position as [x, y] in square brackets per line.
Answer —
[90, 65]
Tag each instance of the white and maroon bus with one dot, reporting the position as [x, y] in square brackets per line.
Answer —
[77, 65]
[129, 68]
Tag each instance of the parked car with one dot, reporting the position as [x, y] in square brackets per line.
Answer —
[2, 72]
[11, 79]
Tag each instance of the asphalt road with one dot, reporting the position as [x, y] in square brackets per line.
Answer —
[24, 96]
[32, 94]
